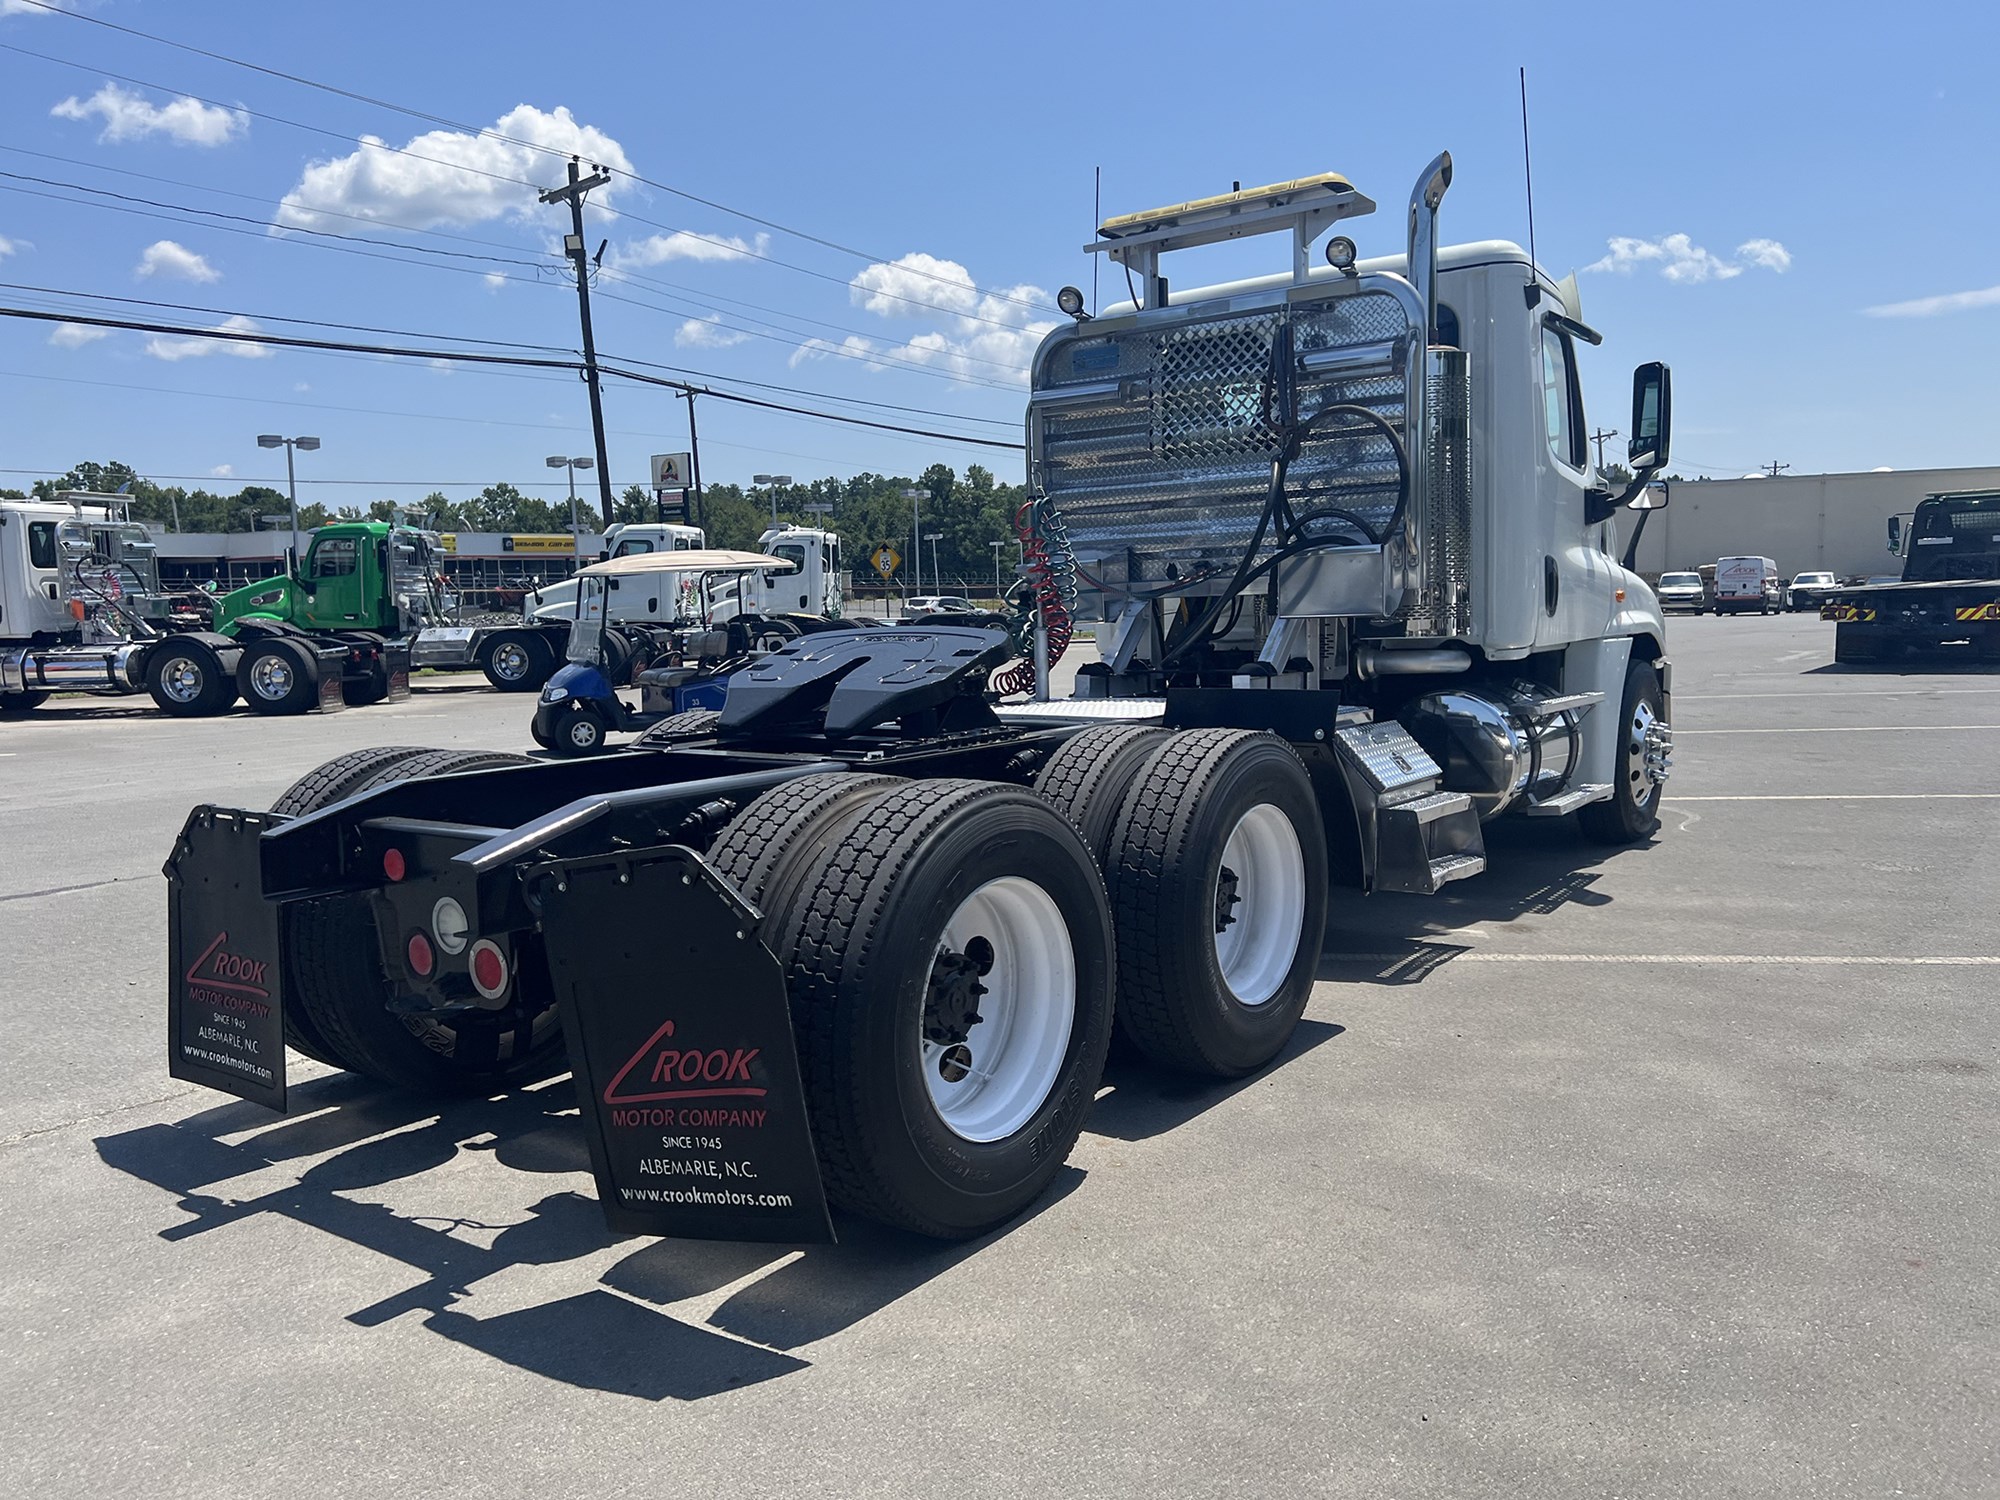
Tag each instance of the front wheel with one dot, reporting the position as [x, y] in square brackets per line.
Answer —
[187, 680]
[1633, 812]
[579, 732]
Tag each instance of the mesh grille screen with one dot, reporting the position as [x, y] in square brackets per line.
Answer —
[1175, 466]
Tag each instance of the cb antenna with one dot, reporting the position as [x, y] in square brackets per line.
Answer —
[1096, 218]
[1534, 287]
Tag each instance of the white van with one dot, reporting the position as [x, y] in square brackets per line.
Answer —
[1747, 583]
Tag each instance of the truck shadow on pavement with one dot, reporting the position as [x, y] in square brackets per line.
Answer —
[1389, 938]
[613, 1336]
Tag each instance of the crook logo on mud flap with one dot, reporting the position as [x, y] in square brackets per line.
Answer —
[656, 1072]
[229, 980]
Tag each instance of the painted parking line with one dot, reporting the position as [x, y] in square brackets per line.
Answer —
[1841, 729]
[1850, 797]
[1769, 960]
[1844, 693]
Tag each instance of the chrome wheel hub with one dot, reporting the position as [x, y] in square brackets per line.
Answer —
[1649, 754]
[271, 677]
[181, 680]
[510, 661]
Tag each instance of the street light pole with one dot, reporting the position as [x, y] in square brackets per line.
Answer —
[998, 592]
[937, 577]
[773, 481]
[557, 461]
[916, 497]
[272, 440]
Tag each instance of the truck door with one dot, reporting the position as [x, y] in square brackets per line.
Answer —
[31, 595]
[333, 573]
[792, 589]
[1576, 581]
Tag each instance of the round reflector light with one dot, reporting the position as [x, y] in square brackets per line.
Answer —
[489, 969]
[393, 865]
[422, 959]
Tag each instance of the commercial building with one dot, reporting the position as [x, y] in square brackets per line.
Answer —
[1804, 522]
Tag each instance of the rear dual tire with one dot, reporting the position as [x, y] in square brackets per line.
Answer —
[900, 912]
[337, 1006]
[188, 681]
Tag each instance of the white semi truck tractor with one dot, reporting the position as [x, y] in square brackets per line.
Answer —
[863, 936]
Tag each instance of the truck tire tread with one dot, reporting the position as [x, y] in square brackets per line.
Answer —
[1153, 857]
[1087, 778]
[836, 931]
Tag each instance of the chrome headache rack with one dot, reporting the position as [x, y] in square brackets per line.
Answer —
[1152, 434]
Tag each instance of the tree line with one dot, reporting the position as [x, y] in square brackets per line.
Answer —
[967, 513]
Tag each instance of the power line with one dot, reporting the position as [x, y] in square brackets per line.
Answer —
[293, 341]
[459, 125]
[227, 312]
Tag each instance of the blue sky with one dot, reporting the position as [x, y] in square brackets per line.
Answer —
[1748, 181]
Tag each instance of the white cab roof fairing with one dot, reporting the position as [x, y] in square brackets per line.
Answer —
[708, 560]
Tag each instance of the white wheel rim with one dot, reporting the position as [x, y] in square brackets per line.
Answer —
[583, 732]
[1014, 1055]
[1256, 945]
[271, 676]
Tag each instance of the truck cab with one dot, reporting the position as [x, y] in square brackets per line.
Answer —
[810, 585]
[356, 575]
[647, 598]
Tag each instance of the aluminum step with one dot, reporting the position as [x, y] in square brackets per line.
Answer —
[1449, 867]
[1548, 708]
[1570, 801]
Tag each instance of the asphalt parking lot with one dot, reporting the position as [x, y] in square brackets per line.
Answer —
[1667, 1171]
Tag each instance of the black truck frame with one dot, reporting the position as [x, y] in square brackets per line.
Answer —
[1949, 596]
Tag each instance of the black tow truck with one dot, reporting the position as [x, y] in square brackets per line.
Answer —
[1949, 596]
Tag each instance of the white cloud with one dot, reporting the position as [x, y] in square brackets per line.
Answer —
[1681, 259]
[1768, 254]
[301, 386]
[1930, 307]
[76, 335]
[20, 8]
[852, 347]
[8, 247]
[495, 280]
[915, 283]
[450, 177]
[173, 347]
[130, 116]
[708, 332]
[223, 471]
[682, 244]
[166, 258]
[985, 335]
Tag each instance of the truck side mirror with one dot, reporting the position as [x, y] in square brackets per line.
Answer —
[1896, 536]
[1652, 417]
[1652, 497]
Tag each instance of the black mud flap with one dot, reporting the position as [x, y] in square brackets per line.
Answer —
[225, 997]
[396, 670]
[330, 668]
[681, 1040]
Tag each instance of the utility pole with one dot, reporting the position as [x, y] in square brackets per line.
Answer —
[698, 515]
[572, 194]
[1601, 437]
[1774, 468]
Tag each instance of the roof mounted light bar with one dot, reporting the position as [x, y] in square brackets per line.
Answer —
[1306, 206]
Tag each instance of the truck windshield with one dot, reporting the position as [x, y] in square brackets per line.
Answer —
[1680, 580]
